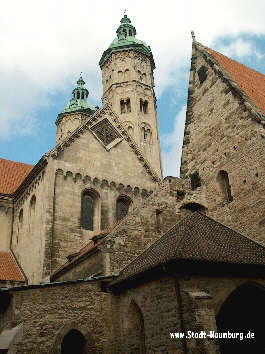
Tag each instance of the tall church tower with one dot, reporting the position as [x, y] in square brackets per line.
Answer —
[128, 84]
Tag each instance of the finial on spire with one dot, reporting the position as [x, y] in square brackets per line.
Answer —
[193, 36]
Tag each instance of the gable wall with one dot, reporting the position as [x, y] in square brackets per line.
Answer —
[220, 135]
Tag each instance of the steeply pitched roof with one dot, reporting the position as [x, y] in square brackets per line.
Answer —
[9, 270]
[12, 175]
[197, 238]
[250, 81]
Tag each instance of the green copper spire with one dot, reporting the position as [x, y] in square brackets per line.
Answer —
[126, 40]
[79, 101]
[126, 29]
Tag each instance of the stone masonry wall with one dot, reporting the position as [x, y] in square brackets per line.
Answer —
[32, 227]
[6, 212]
[69, 236]
[158, 304]
[147, 223]
[221, 134]
[48, 313]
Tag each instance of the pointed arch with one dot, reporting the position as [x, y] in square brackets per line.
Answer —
[72, 338]
[243, 311]
[135, 331]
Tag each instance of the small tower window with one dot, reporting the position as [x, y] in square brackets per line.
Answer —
[128, 105]
[143, 106]
[225, 186]
[122, 207]
[32, 204]
[20, 216]
[195, 180]
[78, 95]
[82, 95]
[146, 134]
[130, 33]
[123, 106]
[202, 73]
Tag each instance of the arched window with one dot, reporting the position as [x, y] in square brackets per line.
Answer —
[146, 134]
[225, 186]
[128, 105]
[82, 95]
[20, 216]
[143, 106]
[32, 204]
[126, 74]
[122, 207]
[78, 95]
[123, 106]
[130, 33]
[90, 210]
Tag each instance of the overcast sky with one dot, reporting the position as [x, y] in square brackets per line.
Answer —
[46, 44]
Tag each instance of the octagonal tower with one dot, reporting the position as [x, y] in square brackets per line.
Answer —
[128, 84]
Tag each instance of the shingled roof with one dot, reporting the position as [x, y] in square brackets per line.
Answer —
[12, 174]
[9, 270]
[250, 81]
[197, 238]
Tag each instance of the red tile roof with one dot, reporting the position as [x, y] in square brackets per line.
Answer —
[9, 269]
[250, 81]
[12, 175]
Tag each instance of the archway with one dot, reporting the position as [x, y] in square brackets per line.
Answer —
[73, 342]
[243, 312]
[135, 332]
[73, 339]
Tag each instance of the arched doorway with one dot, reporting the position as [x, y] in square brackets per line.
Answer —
[73, 342]
[243, 312]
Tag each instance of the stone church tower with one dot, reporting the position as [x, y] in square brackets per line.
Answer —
[105, 163]
[128, 84]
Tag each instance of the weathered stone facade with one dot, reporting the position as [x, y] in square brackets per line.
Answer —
[223, 134]
[130, 261]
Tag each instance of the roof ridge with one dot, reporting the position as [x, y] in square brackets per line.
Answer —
[22, 163]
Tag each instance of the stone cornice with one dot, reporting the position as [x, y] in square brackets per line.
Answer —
[89, 122]
[250, 106]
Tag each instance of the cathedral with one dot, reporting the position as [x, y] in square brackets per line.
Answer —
[100, 254]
